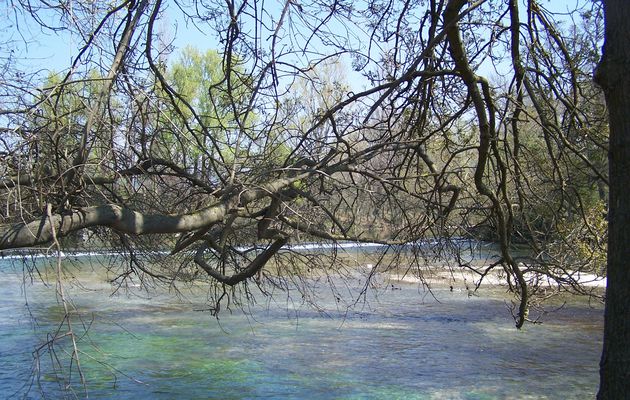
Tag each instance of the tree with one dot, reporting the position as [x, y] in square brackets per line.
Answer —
[612, 76]
[468, 119]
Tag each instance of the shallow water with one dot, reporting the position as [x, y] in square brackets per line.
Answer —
[402, 343]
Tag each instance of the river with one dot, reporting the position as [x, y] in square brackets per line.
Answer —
[400, 342]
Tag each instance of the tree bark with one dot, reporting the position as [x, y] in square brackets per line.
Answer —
[613, 76]
[121, 219]
[41, 231]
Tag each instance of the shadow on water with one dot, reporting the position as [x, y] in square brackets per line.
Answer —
[404, 344]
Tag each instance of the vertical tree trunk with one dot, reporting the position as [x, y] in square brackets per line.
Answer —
[613, 74]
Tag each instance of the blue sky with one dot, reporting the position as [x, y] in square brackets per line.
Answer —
[42, 50]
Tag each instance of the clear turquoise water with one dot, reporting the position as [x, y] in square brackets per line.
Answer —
[405, 344]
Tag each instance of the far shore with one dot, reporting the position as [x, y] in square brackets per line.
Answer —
[434, 276]
[459, 278]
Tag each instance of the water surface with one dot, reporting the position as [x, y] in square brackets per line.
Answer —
[400, 343]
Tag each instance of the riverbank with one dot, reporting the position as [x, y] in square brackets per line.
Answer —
[459, 276]
[443, 274]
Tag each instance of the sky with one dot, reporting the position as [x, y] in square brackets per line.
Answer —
[43, 50]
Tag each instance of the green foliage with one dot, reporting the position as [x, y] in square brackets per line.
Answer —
[198, 78]
[67, 122]
[204, 121]
[583, 239]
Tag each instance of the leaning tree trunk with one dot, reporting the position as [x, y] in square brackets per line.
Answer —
[613, 75]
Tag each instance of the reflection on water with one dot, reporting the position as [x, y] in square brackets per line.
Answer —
[404, 344]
